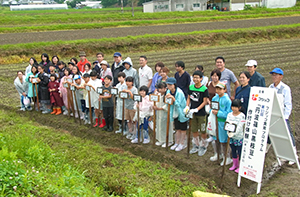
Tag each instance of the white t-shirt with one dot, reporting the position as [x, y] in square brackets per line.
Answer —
[93, 93]
[145, 74]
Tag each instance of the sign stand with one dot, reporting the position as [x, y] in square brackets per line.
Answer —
[138, 98]
[114, 92]
[88, 88]
[73, 89]
[169, 102]
[100, 92]
[34, 86]
[264, 117]
[154, 98]
[215, 106]
[189, 139]
[123, 96]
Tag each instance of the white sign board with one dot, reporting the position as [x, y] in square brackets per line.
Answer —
[263, 113]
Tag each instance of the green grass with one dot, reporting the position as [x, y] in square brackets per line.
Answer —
[71, 166]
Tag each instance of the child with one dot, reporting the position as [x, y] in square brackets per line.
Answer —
[224, 108]
[107, 104]
[131, 72]
[55, 99]
[63, 90]
[70, 66]
[87, 68]
[61, 69]
[86, 78]
[119, 108]
[79, 85]
[82, 61]
[145, 111]
[129, 107]
[204, 79]
[161, 110]
[236, 139]
[105, 70]
[45, 62]
[198, 96]
[164, 75]
[44, 96]
[31, 89]
[52, 70]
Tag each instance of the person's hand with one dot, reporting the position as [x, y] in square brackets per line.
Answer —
[24, 94]
[155, 107]
[137, 106]
[194, 110]
[167, 95]
[186, 110]
[208, 102]
[38, 80]
[60, 94]
[215, 111]
[232, 98]
[125, 90]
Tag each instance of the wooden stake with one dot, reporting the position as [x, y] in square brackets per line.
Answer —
[72, 101]
[189, 138]
[168, 126]
[218, 141]
[37, 96]
[123, 114]
[115, 119]
[77, 107]
[33, 96]
[90, 108]
[154, 125]
[138, 130]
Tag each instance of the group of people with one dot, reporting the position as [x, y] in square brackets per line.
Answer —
[47, 84]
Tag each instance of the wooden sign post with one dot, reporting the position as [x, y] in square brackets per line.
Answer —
[169, 102]
[66, 85]
[73, 89]
[154, 98]
[215, 106]
[189, 139]
[114, 92]
[138, 98]
[88, 89]
[123, 96]
[100, 92]
[34, 86]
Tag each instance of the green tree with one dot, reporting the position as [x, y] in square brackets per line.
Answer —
[109, 3]
[73, 3]
[140, 3]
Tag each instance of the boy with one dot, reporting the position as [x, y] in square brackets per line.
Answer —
[86, 79]
[119, 108]
[107, 104]
[183, 78]
[79, 85]
[82, 61]
[129, 107]
[198, 95]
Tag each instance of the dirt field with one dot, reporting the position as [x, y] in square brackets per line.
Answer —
[284, 54]
[133, 31]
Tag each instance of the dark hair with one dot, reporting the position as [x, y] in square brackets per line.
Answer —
[246, 73]
[129, 79]
[220, 57]
[69, 70]
[200, 67]
[100, 53]
[40, 65]
[144, 88]
[51, 64]
[88, 64]
[122, 74]
[54, 57]
[108, 77]
[199, 73]
[61, 63]
[142, 56]
[35, 66]
[161, 85]
[217, 71]
[159, 64]
[71, 63]
[78, 71]
[34, 60]
[93, 73]
[53, 75]
[236, 103]
[19, 71]
[86, 75]
[45, 55]
[165, 70]
[180, 64]
[74, 58]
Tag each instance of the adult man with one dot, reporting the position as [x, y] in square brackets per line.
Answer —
[82, 61]
[256, 78]
[117, 67]
[145, 73]
[227, 76]
[182, 77]
[285, 99]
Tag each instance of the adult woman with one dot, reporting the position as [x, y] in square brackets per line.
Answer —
[156, 76]
[44, 95]
[63, 90]
[55, 60]
[243, 92]
[28, 68]
[45, 62]
[22, 88]
[31, 89]
[215, 76]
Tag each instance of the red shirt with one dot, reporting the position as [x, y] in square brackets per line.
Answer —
[81, 64]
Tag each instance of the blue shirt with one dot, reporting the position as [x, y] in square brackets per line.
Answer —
[155, 78]
[243, 93]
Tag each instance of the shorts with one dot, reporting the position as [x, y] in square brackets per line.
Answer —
[180, 125]
[129, 114]
[198, 123]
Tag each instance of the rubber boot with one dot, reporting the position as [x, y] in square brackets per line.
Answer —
[58, 111]
[103, 123]
[235, 164]
[237, 170]
[54, 111]
[96, 120]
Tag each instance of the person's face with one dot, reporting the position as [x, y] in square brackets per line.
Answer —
[107, 81]
[129, 83]
[220, 91]
[44, 58]
[86, 79]
[31, 62]
[40, 69]
[162, 90]
[51, 68]
[73, 62]
[60, 66]
[117, 59]
[55, 60]
[243, 79]
[93, 77]
[235, 109]
[143, 62]
[33, 70]
[171, 87]
[127, 66]
[121, 79]
[178, 68]
[220, 64]
[158, 69]
[215, 77]
[74, 70]
[143, 93]
[78, 81]
[251, 69]
[66, 73]
[163, 74]
[276, 78]
[70, 66]
[82, 58]
[197, 79]
[20, 75]
[86, 68]
[100, 58]
[103, 66]
[52, 78]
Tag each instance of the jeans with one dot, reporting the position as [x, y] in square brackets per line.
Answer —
[144, 125]
[236, 151]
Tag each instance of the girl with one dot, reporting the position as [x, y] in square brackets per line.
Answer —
[215, 76]
[224, 108]
[87, 68]
[61, 69]
[145, 110]
[28, 68]
[243, 92]
[54, 61]
[176, 113]
[75, 71]
[45, 62]
[74, 60]
[22, 88]
[63, 90]
[156, 76]
[44, 95]
[161, 117]
[236, 139]
[164, 75]
[55, 99]
[31, 89]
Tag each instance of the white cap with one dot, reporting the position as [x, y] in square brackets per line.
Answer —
[104, 62]
[251, 63]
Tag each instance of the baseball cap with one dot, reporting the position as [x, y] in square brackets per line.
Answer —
[104, 62]
[77, 77]
[117, 54]
[221, 85]
[171, 81]
[251, 63]
[95, 62]
[277, 71]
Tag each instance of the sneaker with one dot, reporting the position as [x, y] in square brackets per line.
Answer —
[132, 137]
[174, 147]
[215, 157]
[291, 163]
[47, 111]
[210, 139]
[194, 149]
[228, 161]
[22, 109]
[164, 145]
[135, 141]
[159, 143]
[146, 141]
[128, 136]
[179, 147]
[118, 131]
[202, 151]
[29, 108]
[65, 112]
[71, 114]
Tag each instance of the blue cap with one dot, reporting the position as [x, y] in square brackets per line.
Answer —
[171, 81]
[95, 62]
[77, 77]
[277, 71]
[117, 54]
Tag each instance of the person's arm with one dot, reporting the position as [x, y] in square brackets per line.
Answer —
[149, 83]
[236, 84]
[287, 102]
[202, 104]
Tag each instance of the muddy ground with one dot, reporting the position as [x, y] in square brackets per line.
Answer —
[15, 38]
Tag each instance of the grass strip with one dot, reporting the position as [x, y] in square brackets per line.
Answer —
[58, 27]
[95, 170]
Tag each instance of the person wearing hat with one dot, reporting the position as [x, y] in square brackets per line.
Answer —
[82, 61]
[285, 99]
[176, 113]
[105, 70]
[79, 85]
[256, 78]
[117, 67]
[130, 71]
